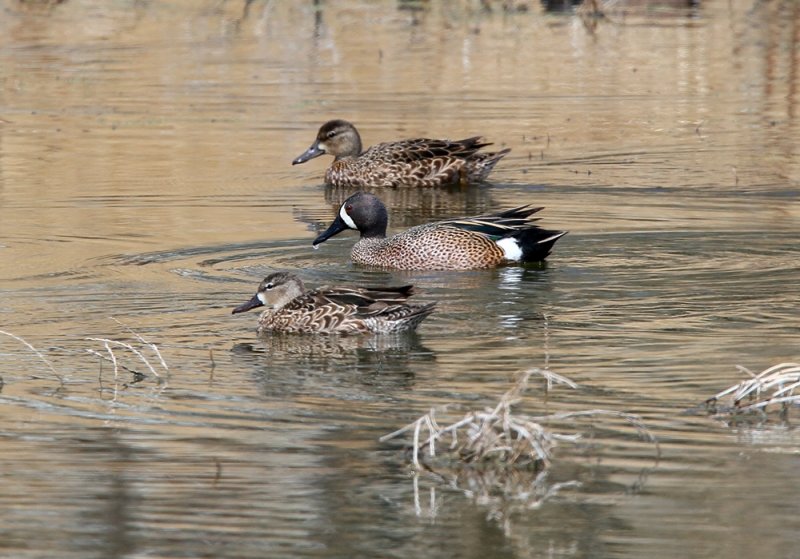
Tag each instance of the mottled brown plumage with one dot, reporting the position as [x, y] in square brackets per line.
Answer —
[420, 162]
[483, 241]
[292, 308]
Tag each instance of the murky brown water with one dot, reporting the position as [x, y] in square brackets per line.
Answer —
[145, 175]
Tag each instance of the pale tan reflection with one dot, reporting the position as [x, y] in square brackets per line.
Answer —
[308, 349]
[389, 360]
[413, 206]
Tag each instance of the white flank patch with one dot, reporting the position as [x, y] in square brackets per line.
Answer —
[347, 219]
[511, 248]
[262, 298]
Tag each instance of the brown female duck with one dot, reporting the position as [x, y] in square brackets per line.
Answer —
[293, 308]
[420, 162]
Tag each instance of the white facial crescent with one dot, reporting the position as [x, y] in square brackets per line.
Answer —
[346, 218]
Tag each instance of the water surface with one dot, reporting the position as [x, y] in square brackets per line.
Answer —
[146, 188]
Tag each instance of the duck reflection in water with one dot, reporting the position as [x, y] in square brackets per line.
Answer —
[350, 367]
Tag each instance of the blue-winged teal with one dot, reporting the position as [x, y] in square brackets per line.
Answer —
[292, 308]
[418, 162]
[465, 243]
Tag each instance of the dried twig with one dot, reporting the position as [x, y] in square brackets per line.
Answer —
[497, 455]
[130, 348]
[494, 433]
[151, 345]
[38, 354]
[111, 356]
[779, 384]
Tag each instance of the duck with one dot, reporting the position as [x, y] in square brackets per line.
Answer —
[483, 241]
[419, 162]
[328, 310]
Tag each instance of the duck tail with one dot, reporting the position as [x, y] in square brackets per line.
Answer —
[481, 164]
[420, 313]
[402, 318]
[536, 243]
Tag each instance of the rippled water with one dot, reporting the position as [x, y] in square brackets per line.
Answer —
[146, 188]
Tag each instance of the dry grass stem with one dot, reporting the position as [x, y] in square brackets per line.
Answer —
[497, 455]
[130, 348]
[151, 345]
[110, 358]
[494, 434]
[109, 355]
[777, 386]
[114, 358]
[38, 354]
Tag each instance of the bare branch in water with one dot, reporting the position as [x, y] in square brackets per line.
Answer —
[778, 385]
[130, 348]
[109, 355]
[110, 346]
[151, 345]
[496, 454]
[38, 354]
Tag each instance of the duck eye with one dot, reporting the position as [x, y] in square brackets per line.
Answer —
[348, 208]
[331, 134]
[269, 286]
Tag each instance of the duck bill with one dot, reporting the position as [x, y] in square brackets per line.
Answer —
[251, 304]
[310, 153]
[336, 227]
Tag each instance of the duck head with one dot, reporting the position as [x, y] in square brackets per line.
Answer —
[363, 212]
[336, 137]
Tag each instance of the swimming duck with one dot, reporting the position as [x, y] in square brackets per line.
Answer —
[419, 162]
[483, 241]
[293, 308]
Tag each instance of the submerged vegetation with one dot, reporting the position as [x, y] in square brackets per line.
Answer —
[499, 455]
[123, 355]
[38, 354]
[772, 391]
[111, 356]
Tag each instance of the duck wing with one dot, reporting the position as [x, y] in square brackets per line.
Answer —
[497, 224]
[420, 149]
[362, 302]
